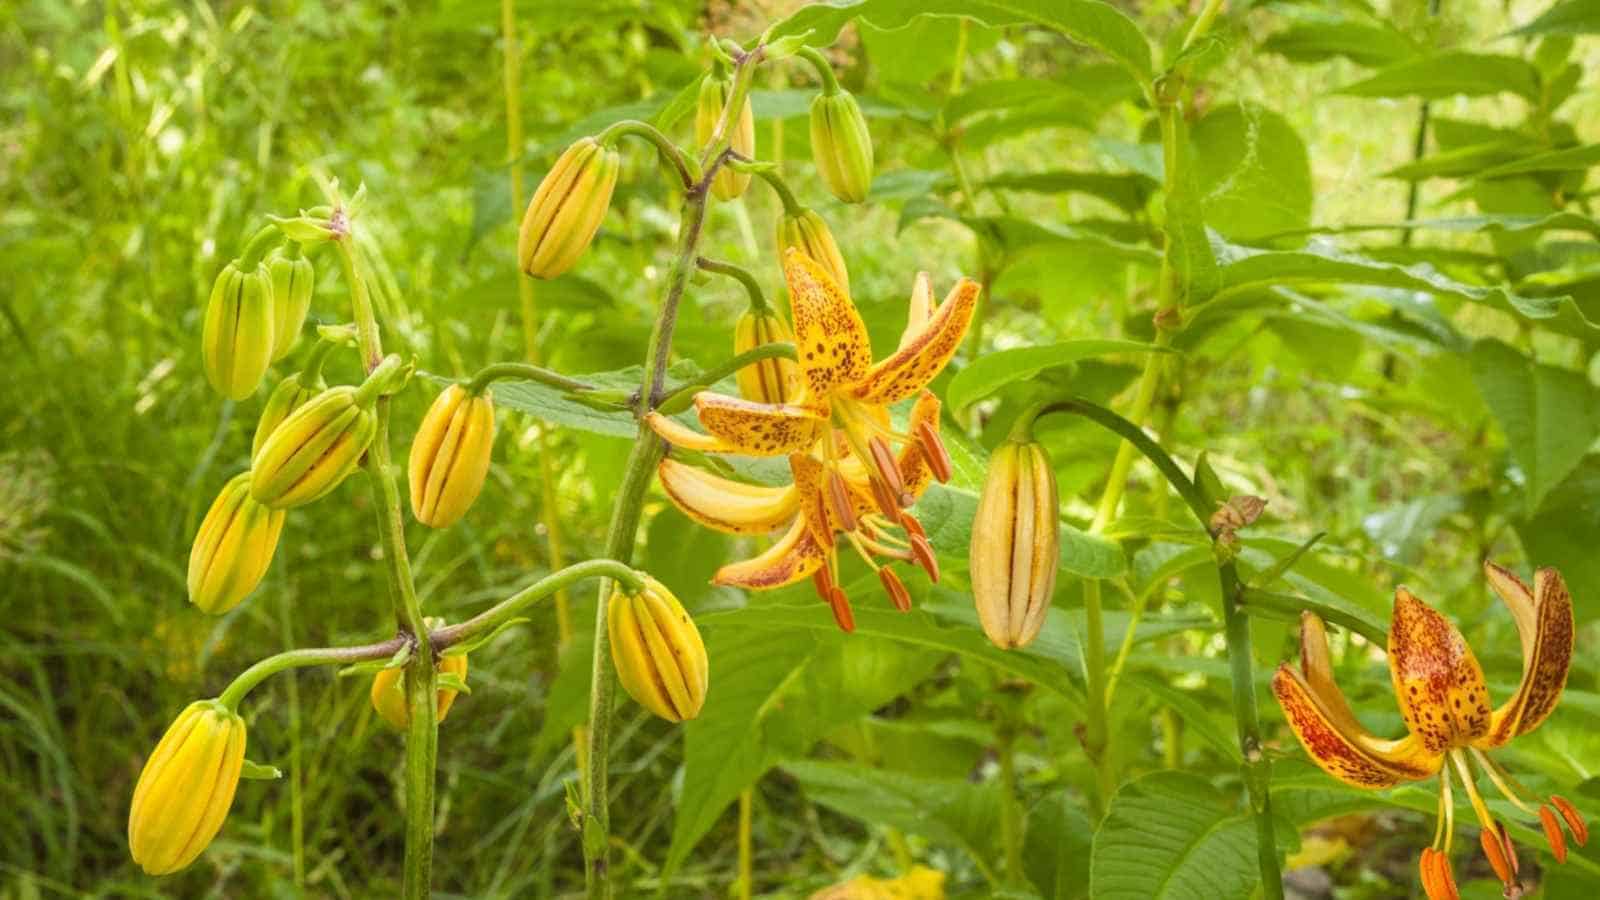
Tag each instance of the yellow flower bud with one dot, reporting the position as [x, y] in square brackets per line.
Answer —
[806, 232]
[186, 787]
[660, 659]
[233, 548]
[1016, 544]
[713, 94]
[841, 146]
[566, 210]
[450, 456]
[292, 281]
[389, 692]
[291, 393]
[772, 380]
[312, 450]
[236, 341]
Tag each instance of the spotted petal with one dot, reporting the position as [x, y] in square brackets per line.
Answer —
[1320, 716]
[793, 557]
[830, 339]
[1544, 620]
[921, 308]
[730, 506]
[924, 355]
[759, 429]
[1437, 680]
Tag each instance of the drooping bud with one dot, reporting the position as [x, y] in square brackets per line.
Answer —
[841, 145]
[713, 94]
[450, 456]
[566, 210]
[660, 659]
[806, 232]
[389, 691]
[1016, 540]
[186, 787]
[772, 380]
[312, 450]
[233, 548]
[292, 281]
[236, 341]
[291, 393]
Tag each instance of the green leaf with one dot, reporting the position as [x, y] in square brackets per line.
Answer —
[1245, 269]
[1368, 45]
[452, 681]
[1550, 416]
[992, 372]
[1171, 835]
[1216, 731]
[1450, 74]
[1130, 191]
[1254, 173]
[1572, 159]
[1089, 22]
[1566, 17]
[1056, 847]
[1566, 531]
[946, 811]
[259, 772]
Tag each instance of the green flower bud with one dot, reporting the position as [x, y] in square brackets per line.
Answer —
[567, 208]
[233, 548]
[186, 787]
[313, 449]
[290, 394]
[660, 658]
[1016, 544]
[236, 340]
[292, 281]
[841, 145]
[805, 231]
[713, 94]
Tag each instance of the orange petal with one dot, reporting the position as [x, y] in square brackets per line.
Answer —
[921, 308]
[1437, 680]
[921, 358]
[679, 435]
[758, 429]
[793, 557]
[1544, 620]
[829, 337]
[729, 506]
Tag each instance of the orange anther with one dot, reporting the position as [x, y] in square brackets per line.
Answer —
[1553, 833]
[911, 525]
[934, 451]
[883, 461]
[1494, 849]
[842, 613]
[922, 552]
[897, 591]
[888, 503]
[1438, 881]
[1580, 829]
[839, 500]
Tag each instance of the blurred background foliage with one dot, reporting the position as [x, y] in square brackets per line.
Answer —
[1419, 429]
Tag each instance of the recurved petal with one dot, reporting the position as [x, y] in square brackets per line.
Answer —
[679, 435]
[921, 308]
[725, 505]
[909, 369]
[1544, 620]
[829, 336]
[793, 557]
[1437, 680]
[1355, 757]
[758, 429]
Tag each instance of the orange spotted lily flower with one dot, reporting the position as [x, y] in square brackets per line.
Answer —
[849, 478]
[1445, 703]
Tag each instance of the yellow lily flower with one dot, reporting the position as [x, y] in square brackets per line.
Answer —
[836, 431]
[1445, 703]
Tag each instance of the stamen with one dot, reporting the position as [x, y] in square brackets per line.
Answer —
[911, 525]
[934, 451]
[879, 529]
[888, 469]
[839, 499]
[1438, 881]
[884, 496]
[1580, 829]
[1439, 813]
[1495, 851]
[1553, 834]
[897, 591]
[1502, 780]
[1510, 848]
[922, 552]
[882, 549]
[824, 583]
[1496, 844]
[1448, 796]
[842, 614]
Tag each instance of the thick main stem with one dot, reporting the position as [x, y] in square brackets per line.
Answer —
[422, 737]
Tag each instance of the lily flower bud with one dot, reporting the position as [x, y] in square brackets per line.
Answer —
[389, 691]
[237, 339]
[807, 232]
[660, 659]
[567, 208]
[292, 281]
[186, 787]
[233, 548]
[841, 145]
[450, 456]
[772, 380]
[713, 94]
[1016, 541]
[313, 450]
[291, 393]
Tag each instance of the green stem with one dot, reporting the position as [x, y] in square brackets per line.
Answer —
[1202, 23]
[526, 372]
[679, 399]
[1010, 815]
[383, 380]
[257, 247]
[830, 83]
[422, 737]
[507, 609]
[311, 372]
[670, 151]
[745, 879]
[758, 300]
[791, 206]
[250, 678]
